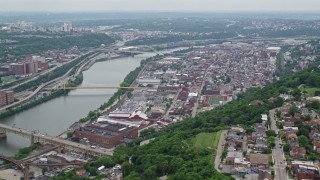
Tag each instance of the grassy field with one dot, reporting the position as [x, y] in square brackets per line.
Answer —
[207, 140]
[7, 79]
[309, 90]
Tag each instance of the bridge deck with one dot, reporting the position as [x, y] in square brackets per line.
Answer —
[55, 141]
[91, 87]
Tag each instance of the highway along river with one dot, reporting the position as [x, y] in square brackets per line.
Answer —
[55, 116]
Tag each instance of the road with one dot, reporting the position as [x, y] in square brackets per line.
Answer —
[45, 72]
[37, 154]
[32, 78]
[23, 167]
[195, 108]
[220, 149]
[277, 153]
[166, 116]
[24, 99]
[63, 77]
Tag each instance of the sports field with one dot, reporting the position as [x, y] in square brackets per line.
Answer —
[207, 140]
[215, 100]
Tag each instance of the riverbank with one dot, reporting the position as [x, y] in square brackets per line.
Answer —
[77, 81]
[127, 82]
[91, 63]
[66, 70]
[56, 115]
[59, 72]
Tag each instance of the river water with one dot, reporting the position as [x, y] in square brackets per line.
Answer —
[55, 116]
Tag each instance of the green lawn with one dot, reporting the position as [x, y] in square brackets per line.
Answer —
[207, 140]
[309, 90]
[7, 79]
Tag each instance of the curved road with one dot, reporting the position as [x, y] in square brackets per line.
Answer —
[37, 90]
[20, 164]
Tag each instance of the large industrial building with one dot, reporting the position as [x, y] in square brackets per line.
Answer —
[109, 134]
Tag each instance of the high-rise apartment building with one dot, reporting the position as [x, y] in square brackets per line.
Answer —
[67, 26]
[18, 69]
[6, 97]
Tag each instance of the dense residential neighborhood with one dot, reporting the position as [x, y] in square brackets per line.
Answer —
[177, 87]
[252, 153]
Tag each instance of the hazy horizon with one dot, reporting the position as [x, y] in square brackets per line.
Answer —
[206, 6]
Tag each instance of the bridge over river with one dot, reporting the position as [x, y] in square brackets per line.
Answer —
[45, 139]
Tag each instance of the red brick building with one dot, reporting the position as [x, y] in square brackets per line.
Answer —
[6, 97]
[43, 65]
[18, 69]
[31, 67]
[3, 100]
[109, 135]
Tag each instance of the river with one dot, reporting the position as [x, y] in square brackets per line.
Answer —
[55, 116]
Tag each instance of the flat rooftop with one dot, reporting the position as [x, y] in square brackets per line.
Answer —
[107, 129]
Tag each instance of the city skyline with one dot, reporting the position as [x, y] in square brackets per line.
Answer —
[158, 5]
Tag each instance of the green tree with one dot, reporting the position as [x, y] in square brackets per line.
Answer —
[69, 134]
[278, 113]
[127, 168]
[304, 130]
[132, 176]
[44, 170]
[303, 141]
[314, 105]
[293, 110]
[150, 173]
[286, 147]
[296, 93]
[129, 95]
[271, 141]
[271, 133]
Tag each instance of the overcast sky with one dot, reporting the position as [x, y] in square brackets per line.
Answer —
[159, 5]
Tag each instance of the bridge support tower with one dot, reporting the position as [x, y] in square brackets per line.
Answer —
[3, 133]
[32, 140]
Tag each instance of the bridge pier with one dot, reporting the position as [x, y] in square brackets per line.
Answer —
[3, 135]
[64, 88]
[32, 140]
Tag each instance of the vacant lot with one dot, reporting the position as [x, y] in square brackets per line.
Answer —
[207, 140]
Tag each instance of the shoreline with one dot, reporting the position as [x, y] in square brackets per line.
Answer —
[142, 59]
[33, 103]
[118, 97]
